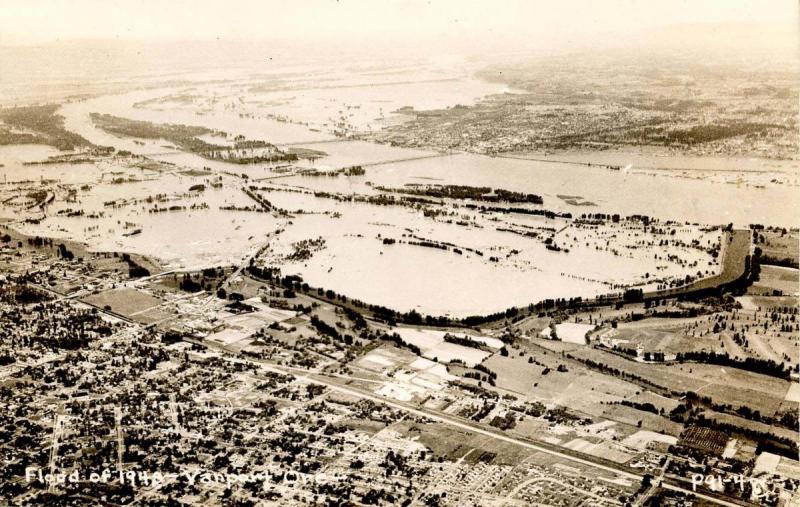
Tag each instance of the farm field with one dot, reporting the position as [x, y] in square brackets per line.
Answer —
[722, 384]
[777, 278]
[653, 422]
[578, 388]
[754, 425]
[571, 332]
[434, 346]
[780, 245]
[664, 335]
[756, 302]
[125, 301]
[706, 439]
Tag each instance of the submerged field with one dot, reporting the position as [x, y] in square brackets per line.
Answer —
[374, 240]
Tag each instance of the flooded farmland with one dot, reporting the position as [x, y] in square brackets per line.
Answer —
[434, 257]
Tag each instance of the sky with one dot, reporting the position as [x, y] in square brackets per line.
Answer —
[46, 41]
[449, 22]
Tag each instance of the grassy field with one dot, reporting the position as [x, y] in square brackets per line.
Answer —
[776, 278]
[578, 388]
[124, 301]
[763, 302]
[650, 421]
[784, 345]
[666, 335]
[586, 391]
[156, 315]
[656, 400]
[385, 357]
[723, 385]
[777, 245]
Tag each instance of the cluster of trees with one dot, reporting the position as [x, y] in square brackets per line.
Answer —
[187, 137]
[522, 211]
[65, 253]
[187, 284]
[465, 341]
[486, 409]
[326, 329]
[183, 136]
[397, 340]
[707, 133]
[787, 262]
[207, 279]
[57, 327]
[135, 270]
[633, 295]
[466, 192]
[617, 218]
[359, 322]
[511, 313]
[48, 127]
[483, 373]
[644, 407]
[479, 377]
[506, 422]
[354, 170]
[428, 244]
[263, 273]
[38, 242]
[533, 409]
[692, 402]
[477, 390]
[21, 293]
[557, 414]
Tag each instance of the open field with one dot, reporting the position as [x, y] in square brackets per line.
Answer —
[780, 246]
[125, 301]
[434, 346]
[777, 278]
[633, 418]
[722, 384]
[578, 388]
[664, 335]
[755, 302]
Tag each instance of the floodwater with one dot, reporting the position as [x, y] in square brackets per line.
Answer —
[705, 200]
[354, 260]
[404, 276]
[678, 199]
[204, 236]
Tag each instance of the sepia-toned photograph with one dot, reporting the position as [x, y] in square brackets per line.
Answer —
[428, 253]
